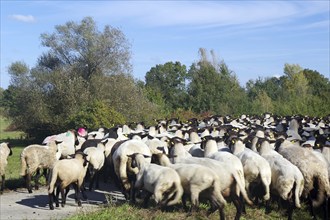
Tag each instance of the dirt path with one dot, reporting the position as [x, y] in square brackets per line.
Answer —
[19, 204]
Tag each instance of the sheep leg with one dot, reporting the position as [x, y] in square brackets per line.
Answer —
[36, 179]
[194, 201]
[242, 203]
[311, 208]
[184, 202]
[77, 195]
[146, 199]
[28, 182]
[63, 196]
[326, 208]
[51, 197]
[268, 208]
[238, 206]
[2, 183]
[57, 196]
[290, 206]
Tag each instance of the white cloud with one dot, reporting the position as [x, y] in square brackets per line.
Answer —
[23, 18]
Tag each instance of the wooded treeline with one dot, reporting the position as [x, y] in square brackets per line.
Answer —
[85, 79]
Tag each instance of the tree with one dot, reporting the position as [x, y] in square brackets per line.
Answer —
[214, 87]
[83, 69]
[86, 50]
[169, 80]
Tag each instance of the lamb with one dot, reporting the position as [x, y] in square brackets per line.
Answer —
[157, 180]
[5, 151]
[96, 158]
[256, 168]
[314, 171]
[230, 180]
[120, 163]
[197, 181]
[64, 173]
[287, 179]
[35, 157]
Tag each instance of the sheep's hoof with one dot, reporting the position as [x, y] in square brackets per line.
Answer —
[62, 204]
[57, 205]
[30, 190]
[51, 207]
[79, 203]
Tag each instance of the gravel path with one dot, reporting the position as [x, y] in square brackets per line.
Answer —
[19, 204]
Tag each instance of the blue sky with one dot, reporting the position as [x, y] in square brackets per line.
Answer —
[254, 38]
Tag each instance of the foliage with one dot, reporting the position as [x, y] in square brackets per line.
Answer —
[82, 65]
[86, 50]
[168, 80]
[95, 115]
[213, 87]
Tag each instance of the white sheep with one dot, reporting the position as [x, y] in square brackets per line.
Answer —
[96, 158]
[64, 173]
[162, 182]
[314, 171]
[197, 181]
[120, 162]
[5, 151]
[230, 179]
[256, 168]
[36, 157]
[66, 141]
[287, 179]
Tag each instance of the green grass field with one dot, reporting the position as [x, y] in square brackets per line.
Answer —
[17, 141]
[126, 211]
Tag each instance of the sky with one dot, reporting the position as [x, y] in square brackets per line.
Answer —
[254, 38]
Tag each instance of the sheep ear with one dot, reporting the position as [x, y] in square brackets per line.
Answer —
[58, 142]
[162, 149]
[146, 156]
[130, 155]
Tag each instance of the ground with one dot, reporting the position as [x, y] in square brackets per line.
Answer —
[19, 204]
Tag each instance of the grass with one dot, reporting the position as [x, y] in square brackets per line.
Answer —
[127, 211]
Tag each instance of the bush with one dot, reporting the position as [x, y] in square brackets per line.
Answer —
[95, 115]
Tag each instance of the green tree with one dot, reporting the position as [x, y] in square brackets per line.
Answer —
[83, 67]
[86, 50]
[214, 87]
[169, 80]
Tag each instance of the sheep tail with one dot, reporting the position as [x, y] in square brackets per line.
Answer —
[298, 187]
[178, 194]
[323, 188]
[52, 180]
[240, 184]
[23, 165]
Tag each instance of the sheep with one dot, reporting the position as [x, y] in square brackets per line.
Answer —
[67, 141]
[314, 171]
[64, 173]
[230, 179]
[120, 163]
[157, 180]
[287, 179]
[229, 160]
[197, 180]
[256, 168]
[35, 157]
[96, 158]
[5, 151]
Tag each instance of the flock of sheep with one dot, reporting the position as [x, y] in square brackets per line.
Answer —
[245, 160]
